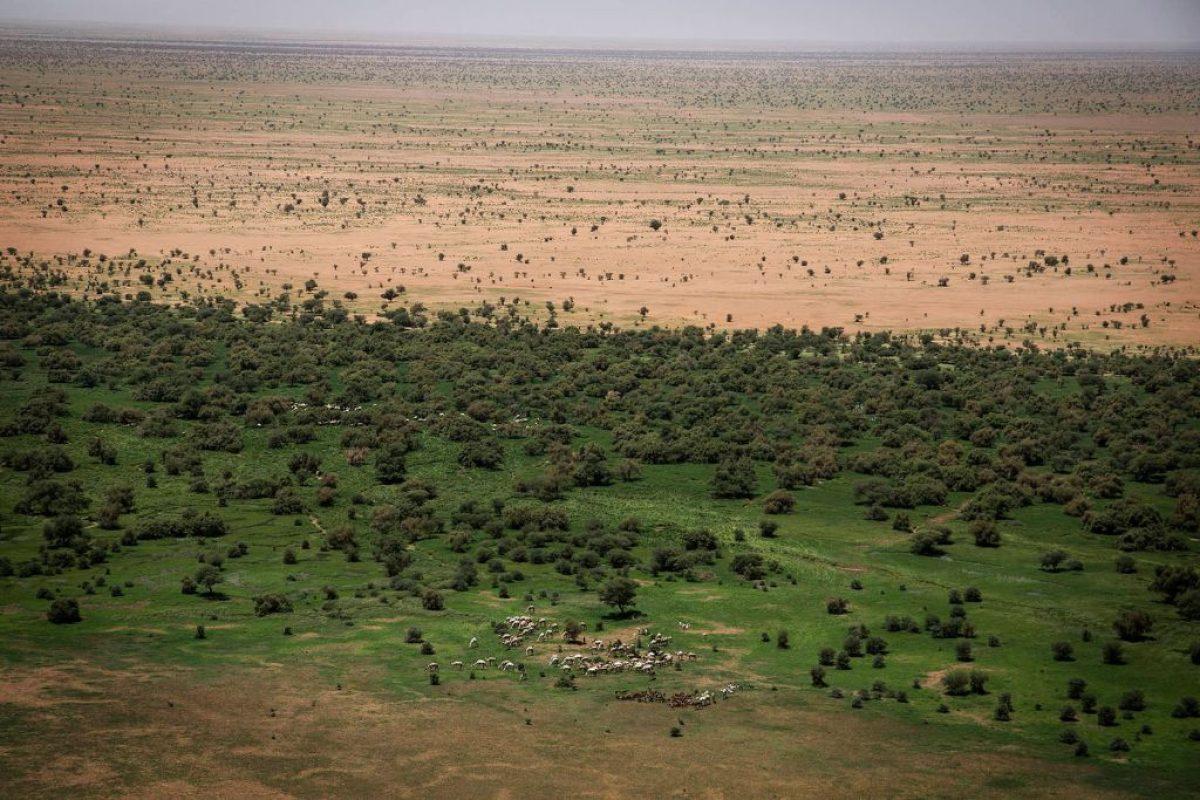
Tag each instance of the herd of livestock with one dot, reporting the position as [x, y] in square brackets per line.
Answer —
[646, 654]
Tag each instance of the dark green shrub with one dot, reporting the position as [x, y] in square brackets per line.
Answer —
[63, 611]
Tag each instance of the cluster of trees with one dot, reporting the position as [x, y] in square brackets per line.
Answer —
[1179, 585]
[914, 420]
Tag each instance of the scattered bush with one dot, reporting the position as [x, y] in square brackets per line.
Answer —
[63, 611]
[267, 604]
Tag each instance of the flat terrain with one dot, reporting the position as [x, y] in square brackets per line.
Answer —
[1053, 197]
[338, 505]
[262, 736]
[340, 384]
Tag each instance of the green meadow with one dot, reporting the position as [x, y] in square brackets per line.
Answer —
[1023, 518]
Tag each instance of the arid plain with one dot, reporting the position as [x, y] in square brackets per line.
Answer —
[1025, 197]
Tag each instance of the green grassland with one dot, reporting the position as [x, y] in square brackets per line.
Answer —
[623, 433]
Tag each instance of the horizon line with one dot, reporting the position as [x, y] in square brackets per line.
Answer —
[125, 31]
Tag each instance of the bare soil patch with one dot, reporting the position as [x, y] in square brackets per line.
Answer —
[848, 215]
[284, 735]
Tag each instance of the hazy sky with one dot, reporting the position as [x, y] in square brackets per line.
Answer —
[1170, 22]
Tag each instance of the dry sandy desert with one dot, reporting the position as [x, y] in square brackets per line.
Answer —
[1042, 198]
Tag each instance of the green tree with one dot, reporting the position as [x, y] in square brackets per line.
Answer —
[391, 464]
[64, 530]
[208, 576]
[63, 611]
[734, 479]
[1133, 626]
[619, 593]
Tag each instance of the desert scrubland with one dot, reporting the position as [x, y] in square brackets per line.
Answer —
[1001, 196]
